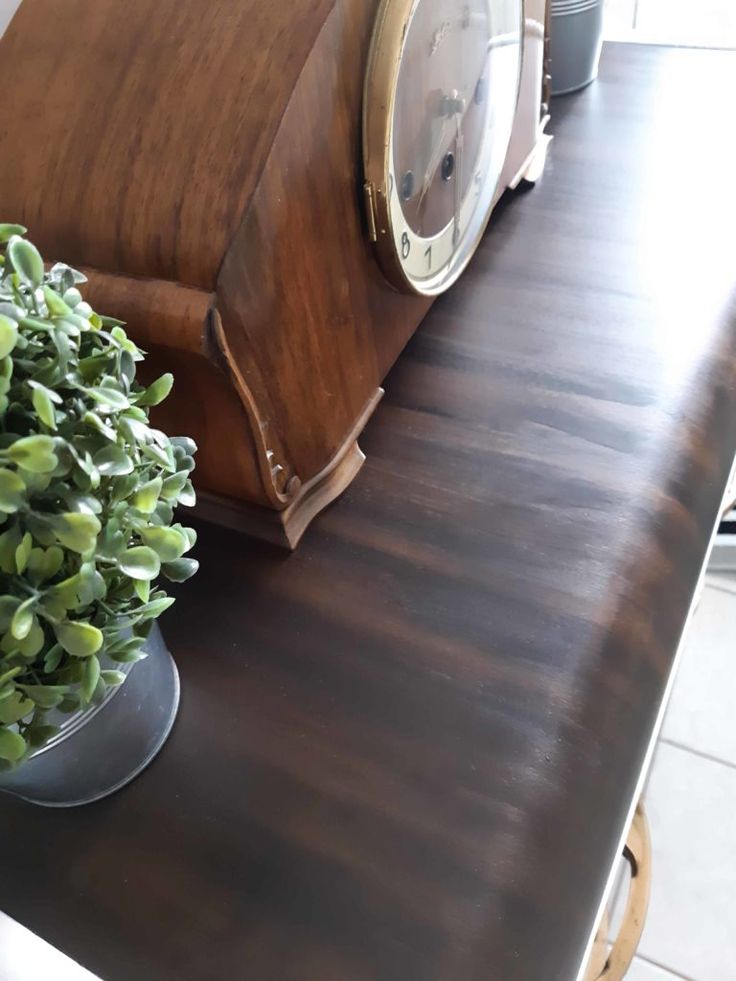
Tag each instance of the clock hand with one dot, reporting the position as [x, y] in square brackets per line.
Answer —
[434, 161]
[454, 106]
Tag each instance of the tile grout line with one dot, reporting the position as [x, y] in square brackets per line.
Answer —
[719, 587]
[667, 970]
[697, 752]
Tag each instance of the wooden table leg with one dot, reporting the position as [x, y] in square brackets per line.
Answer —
[611, 964]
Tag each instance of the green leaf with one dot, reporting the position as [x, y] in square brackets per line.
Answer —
[35, 562]
[34, 453]
[8, 606]
[113, 678]
[129, 656]
[22, 552]
[72, 297]
[93, 586]
[22, 621]
[92, 419]
[26, 261]
[55, 304]
[77, 530]
[9, 542]
[167, 543]
[54, 396]
[53, 658]
[108, 397]
[163, 514]
[86, 503]
[173, 486]
[14, 708]
[8, 644]
[39, 735]
[7, 231]
[112, 461]
[154, 609]
[37, 323]
[52, 562]
[78, 638]
[65, 593]
[140, 562]
[127, 365]
[90, 678]
[32, 644]
[123, 487]
[60, 272]
[8, 335]
[70, 703]
[180, 570]
[187, 497]
[12, 745]
[71, 325]
[156, 391]
[164, 458]
[44, 407]
[146, 496]
[190, 533]
[12, 491]
[132, 428]
[9, 674]
[184, 443]
[45, 696]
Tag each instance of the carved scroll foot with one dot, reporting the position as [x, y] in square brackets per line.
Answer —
[286, 526]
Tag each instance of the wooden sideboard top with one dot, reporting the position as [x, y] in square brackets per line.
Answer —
[405, 753]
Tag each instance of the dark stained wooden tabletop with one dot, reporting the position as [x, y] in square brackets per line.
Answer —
[406, 752]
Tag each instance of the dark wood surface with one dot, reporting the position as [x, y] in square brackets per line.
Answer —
[405, 752]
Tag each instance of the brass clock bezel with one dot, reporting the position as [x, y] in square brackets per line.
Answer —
[379, 97]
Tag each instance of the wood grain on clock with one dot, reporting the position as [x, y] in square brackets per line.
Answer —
[139, 130]
[201, 160]
[352, 326]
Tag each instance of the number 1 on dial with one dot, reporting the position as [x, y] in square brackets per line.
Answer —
[428, 253]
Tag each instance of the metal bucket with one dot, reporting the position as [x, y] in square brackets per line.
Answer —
[576, 36]
[101, 749]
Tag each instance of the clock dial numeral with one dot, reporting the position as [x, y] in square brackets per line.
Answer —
[437, 130]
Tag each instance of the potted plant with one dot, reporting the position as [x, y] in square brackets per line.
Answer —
[87, 496]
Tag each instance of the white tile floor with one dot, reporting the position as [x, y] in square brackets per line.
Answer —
[690, 930]
[25, 957]
[700, 23]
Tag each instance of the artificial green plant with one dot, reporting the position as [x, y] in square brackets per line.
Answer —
[87, 496]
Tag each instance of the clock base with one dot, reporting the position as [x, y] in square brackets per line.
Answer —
[531, 167]
[286, 527]
[534, 165]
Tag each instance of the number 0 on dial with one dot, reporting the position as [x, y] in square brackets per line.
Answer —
[439, 105]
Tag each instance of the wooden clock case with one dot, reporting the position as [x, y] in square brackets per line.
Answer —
[201, 162]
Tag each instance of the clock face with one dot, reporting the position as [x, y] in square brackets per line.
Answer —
[442, 130]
